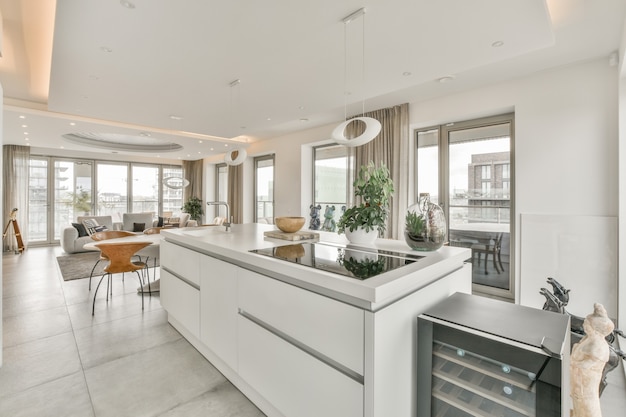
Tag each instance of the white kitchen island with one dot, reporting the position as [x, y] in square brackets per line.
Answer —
[296, 340]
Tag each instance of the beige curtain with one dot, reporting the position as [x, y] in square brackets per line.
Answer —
[235, 192]
[15, 166]
[192, 172]
[390, 147]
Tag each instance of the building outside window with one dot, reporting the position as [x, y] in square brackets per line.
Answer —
[331, 169]
[264, 189]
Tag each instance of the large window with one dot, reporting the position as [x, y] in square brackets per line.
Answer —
[331, 176]
[466, 167]
[61, 189]
[264, 189]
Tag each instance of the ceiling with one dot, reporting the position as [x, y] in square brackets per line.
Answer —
[165, 70]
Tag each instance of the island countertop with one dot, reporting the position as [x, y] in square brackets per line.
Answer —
[371, 294]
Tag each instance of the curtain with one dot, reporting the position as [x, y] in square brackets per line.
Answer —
[15, 167]
[235, 192]
[192, 172]
[391, 147]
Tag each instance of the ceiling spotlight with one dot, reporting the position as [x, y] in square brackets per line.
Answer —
[24, 126]
[407, 73]
[72, 124]
[174, 117]
[106, 49]
[226, 145]
[211, 149]
[304, 120]
[25, 138]
[497, 44]
[127, 4]
[445, 79]
[22, 117]
[199, 141]
[26, 133]
[145, 134]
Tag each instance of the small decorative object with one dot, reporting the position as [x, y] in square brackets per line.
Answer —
[587, 362]
[425, 225]
[329, 219]
[289, 224]
[375, 187]
[314, 224]
[235, 157]
[193, 206]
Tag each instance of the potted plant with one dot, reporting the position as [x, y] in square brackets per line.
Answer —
[193, 206]
[374, 187]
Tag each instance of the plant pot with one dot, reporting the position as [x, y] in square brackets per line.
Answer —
[361, 237]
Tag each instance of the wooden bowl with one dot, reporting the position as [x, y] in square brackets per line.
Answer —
[289, 224]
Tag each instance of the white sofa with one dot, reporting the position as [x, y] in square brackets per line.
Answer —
[71, 242]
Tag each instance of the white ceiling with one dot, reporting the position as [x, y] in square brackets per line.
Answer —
[127, 71]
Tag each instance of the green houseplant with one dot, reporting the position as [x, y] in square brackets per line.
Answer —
[193, 206]
[374, 187]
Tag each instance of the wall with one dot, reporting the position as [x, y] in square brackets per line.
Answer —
[1, 184]
[565, 142]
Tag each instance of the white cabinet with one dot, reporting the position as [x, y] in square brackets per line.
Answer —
[181, 261]
[294, 382]
[330, 327]
[218, 308]
[182, 301]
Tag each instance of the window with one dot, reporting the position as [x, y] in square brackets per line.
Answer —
[112, 189]
[331, 169]
[172, 197]
[38, 200]
[264, 189]
[466, 167]
[145, 189]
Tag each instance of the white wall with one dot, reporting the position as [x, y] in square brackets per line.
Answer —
[565, 152]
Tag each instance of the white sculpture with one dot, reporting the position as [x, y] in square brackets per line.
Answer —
[587, 362]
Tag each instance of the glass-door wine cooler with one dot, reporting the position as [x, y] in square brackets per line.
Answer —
[483, 357]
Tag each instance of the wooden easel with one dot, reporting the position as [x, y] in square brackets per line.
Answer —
[16, 229]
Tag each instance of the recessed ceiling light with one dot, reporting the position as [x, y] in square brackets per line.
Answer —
[301, 107]
[242, 127]
[199, 152]
[25, 138]
[22, 117]
[188, 156]
[174, 117]
[199, 141]
[94, 77]
[26, 133]
[62, 147]
[145, 134]
[24, 126]
[303, 120]
[268, 119]
[28, 144]
[211, 149]
[497, 44]
[445, 79]
[106, 49]
[72, 124]
[226, 145]
[127, 4]
[407, 73]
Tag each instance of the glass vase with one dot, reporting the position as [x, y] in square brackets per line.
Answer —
[425, 226]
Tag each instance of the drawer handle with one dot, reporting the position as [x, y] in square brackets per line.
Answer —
[307, 349]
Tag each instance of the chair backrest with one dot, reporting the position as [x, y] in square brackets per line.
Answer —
[110, 234]
[120, 254]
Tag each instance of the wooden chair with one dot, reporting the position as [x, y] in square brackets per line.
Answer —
[489, 249]
[120, 256]
[107, 234]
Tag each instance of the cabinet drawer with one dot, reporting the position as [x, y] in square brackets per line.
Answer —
[181, 261]
[294, 382]
[327, 326]
[181, 301]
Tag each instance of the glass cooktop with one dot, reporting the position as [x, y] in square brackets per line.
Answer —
[359, 263]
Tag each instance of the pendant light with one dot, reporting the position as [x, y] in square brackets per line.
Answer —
[372, 126]
[236, 156]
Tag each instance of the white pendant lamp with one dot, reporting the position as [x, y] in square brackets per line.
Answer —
[235, 157]
[372, 126]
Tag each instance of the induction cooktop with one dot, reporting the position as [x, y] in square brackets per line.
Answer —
[354, 262]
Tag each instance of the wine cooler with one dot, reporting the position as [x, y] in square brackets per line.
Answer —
[483, 357]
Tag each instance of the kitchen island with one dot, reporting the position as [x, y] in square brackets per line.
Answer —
[303, 341]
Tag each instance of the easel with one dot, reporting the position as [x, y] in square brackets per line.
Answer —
[16, 229]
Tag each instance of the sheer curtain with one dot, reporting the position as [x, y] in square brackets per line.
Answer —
[235, 192]
[15, 166]
[391, 147]
[192, 172]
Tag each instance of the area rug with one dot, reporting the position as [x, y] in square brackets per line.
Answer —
[78, 265]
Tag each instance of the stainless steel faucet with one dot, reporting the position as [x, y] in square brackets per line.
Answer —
[222, 203]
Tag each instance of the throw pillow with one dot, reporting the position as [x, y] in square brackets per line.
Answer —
[100, 228]
[90, 226]
[139, 227]
[82, 232]
[160, 222]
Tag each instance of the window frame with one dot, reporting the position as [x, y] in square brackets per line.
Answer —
[255, 201]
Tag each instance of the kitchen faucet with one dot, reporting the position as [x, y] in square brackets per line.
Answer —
[222, 203]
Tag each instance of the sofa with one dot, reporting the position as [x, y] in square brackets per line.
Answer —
[75, 236]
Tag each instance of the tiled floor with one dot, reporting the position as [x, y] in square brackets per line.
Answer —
[61, 361]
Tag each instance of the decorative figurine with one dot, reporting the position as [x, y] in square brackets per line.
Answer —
[329, 219]
[314, 224]
[588, 359]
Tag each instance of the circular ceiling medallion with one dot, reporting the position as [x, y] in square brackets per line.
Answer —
[235, 157]
[372, 129]
[121, 142]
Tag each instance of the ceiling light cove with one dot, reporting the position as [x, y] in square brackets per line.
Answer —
[122, 142]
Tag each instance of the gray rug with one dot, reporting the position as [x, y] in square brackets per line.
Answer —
[78, 265]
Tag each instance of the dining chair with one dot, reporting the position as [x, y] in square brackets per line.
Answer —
[119, 255]
[489, 249]
[104, 235]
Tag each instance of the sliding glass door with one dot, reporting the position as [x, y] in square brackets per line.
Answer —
[469, 165]
[38, 207]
